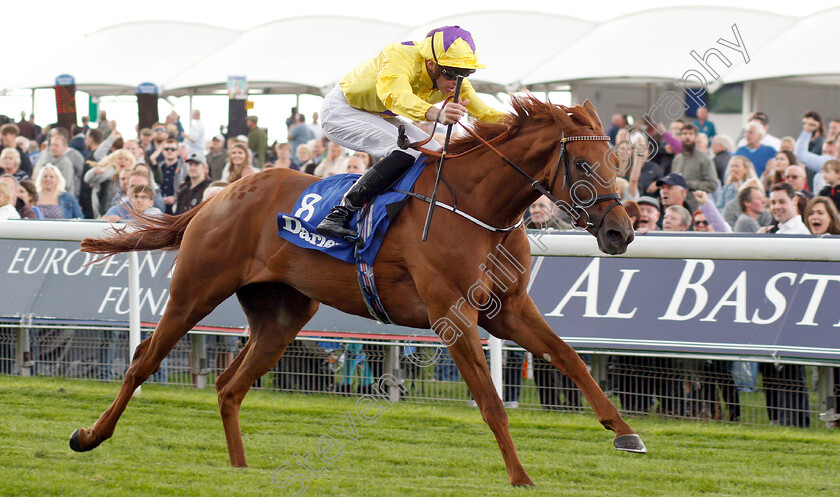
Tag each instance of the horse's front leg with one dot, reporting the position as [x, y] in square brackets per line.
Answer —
[520, 320]
[459, 332]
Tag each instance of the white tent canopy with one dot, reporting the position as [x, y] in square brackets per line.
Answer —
[301, 55]
[114, 60]
[656, 44]
[797, 53]
[542, 51]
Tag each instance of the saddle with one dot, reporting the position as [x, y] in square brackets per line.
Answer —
[372, 222]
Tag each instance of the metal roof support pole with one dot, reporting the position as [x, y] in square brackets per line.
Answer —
[747, 101]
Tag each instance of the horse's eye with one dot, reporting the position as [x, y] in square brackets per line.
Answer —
[580, 164]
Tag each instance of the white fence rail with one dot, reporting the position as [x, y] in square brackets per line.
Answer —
[722, 246]
[78, 231]
[574, 244]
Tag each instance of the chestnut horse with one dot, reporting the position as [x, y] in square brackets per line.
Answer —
[229, 244]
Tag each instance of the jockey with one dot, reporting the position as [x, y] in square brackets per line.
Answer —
[405, 79]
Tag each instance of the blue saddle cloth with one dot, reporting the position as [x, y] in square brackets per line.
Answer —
[315, 203]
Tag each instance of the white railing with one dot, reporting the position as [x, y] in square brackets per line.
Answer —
[720, 246]
[574, 244]
[74, 231]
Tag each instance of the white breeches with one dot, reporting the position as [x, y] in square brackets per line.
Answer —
[364, 131]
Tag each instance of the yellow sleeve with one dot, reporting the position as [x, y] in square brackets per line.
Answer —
[477, 108]
[393, 85]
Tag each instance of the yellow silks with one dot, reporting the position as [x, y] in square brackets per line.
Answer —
[397, 82]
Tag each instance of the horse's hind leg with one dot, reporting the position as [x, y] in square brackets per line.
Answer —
[520, 321]
[275, 314]
[191, 299]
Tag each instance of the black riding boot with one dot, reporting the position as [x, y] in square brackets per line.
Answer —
[372, 183]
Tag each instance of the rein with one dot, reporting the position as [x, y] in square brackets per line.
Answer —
[535, 184]
[404, 143]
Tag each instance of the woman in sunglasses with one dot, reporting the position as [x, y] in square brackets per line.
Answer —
[363, 112]
[707, 218]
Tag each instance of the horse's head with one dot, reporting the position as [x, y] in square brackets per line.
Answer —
[581, 175]
[563, 153]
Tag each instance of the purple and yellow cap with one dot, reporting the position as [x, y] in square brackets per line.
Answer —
[450, 46]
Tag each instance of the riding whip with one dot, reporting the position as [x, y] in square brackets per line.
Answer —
[440, 165]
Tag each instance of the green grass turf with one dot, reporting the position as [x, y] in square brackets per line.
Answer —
[170, 442]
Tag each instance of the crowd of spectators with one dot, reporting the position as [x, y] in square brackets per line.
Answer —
[84, 173]
[674, 171]
[685, 177]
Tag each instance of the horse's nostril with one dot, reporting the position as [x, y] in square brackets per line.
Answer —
[615, 236]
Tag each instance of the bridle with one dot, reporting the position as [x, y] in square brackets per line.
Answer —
[568, 183]
[563, 159]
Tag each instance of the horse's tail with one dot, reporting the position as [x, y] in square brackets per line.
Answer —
[160, 231]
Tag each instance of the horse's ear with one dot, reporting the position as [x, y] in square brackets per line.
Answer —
[590, 109]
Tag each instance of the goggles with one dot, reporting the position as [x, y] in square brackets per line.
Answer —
[452, 73]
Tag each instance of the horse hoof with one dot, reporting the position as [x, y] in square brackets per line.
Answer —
[630, 443]
[521, 480]
[526, 484]
[76, 443]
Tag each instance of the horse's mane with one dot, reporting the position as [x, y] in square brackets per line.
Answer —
[527, 110]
